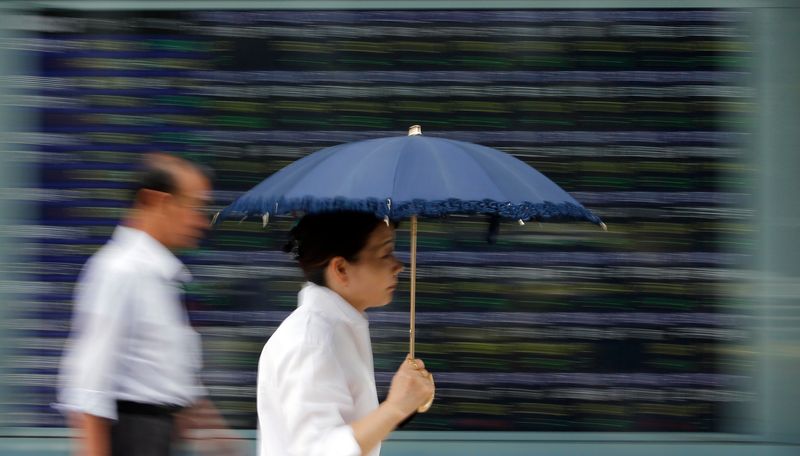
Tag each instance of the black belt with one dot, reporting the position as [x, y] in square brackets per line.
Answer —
[140, 408]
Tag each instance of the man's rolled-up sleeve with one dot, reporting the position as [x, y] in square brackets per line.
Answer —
[99, 321]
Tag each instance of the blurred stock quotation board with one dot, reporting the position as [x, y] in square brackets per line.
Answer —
[644, 116]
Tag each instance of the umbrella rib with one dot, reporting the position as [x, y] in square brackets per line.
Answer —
[396, 178]
[509, 171]
[471, 154]
[443, 166]
[365, 162]
[298, 182]
[297, 176]
[377, 150]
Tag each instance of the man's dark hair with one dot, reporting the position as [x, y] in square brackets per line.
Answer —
[318, 238]
[158, 178]
[156, 171]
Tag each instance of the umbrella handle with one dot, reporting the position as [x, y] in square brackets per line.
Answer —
[413, 309]
[426, 406]
[412, 314]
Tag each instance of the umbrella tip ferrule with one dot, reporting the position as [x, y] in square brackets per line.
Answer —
[414, 130]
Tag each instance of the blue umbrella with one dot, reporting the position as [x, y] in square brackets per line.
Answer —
[408, 177]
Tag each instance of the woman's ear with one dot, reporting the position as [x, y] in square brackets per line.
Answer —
[337, 270]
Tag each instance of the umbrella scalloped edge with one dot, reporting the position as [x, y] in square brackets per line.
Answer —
[544, 212]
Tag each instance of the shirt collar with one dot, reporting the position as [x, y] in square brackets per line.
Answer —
[163, 259]
[329, 299]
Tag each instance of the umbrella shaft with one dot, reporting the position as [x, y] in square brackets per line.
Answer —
[413, 284]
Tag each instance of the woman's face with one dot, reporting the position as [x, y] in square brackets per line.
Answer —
[372, 278]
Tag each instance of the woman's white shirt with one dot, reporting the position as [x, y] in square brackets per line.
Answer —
[315, 376]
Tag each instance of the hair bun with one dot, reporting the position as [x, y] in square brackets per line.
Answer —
[289, 246]
[293, 243]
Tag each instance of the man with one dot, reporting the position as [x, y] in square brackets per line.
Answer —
[130, 371]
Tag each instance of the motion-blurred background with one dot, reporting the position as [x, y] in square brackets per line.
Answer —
[678, 330]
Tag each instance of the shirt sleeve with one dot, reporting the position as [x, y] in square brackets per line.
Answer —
[99, 320]
[315, 397]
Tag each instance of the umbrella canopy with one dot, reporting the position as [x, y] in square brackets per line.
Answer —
[404, 176]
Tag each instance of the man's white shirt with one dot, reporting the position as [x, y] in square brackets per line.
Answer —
[131, 338]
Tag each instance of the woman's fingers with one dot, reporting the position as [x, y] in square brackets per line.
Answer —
[419, 366]
[416, 363]
[412, 385]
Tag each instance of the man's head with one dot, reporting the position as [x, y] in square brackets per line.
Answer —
[171, 200]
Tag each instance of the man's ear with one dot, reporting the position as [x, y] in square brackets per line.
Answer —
[151, 198]
[337, 270]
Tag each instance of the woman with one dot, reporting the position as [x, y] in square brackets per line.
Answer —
[316, 384]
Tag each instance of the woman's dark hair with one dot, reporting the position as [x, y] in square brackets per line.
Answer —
[318, 238]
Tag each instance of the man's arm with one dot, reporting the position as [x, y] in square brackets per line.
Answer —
[203, 426]
[89, 366]
[200, 415]
[94, 434]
